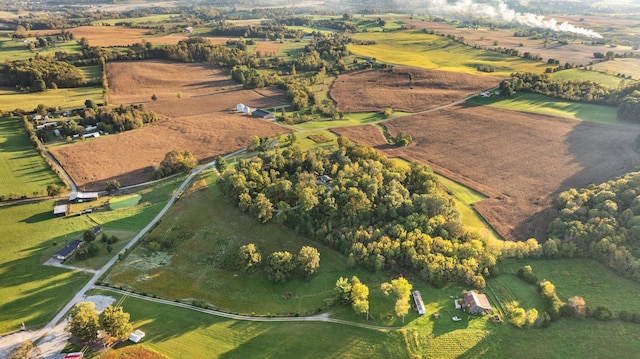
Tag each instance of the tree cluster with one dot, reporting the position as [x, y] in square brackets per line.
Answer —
[600, 222]
[84, 322]
[383, 214]
[402, 290]
[353, 292]
[53, 73]
[573, 90]
[175, 161]
[280, 265]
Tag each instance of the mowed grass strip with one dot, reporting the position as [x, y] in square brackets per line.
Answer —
[183, 333]
[416, 48]
[536, 103]
[23, 172]
[10, 99]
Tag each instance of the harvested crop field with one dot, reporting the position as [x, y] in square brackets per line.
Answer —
[267, 48]
[121, 36]
[198, 121]
[520, 161]
[409, 89]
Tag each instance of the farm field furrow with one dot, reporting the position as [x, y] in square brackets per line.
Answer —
[498, 153]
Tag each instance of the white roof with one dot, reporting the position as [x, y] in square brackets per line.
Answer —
[136, 336]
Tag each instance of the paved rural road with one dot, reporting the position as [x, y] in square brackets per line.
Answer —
[62, 171]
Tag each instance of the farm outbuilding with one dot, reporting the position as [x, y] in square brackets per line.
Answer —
[83, 196]
[417, 298]
[136, 336]
[260, 113]
[67, 251]
[60, 210]
[476, 303]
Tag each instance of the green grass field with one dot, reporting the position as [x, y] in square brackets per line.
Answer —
[23, 172]
[92, 74]
[31, 292]
[64, 97]
[206, 226]
[416, 48]
[182, 333]
[536, 103]
[582, 75]
[12, 50]
[125, 201]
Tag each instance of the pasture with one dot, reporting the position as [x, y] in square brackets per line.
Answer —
[536, 103]
[31, 292]
[607, 79]
[13, 50]
[178, 332]
[498, 153]
[151, 19]
[418, 49]
[201, 120]
[206, 231]
[10, 99]
[23, 172]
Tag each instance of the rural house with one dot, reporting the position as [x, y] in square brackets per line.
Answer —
[67, 251]
[260, 113]
[476, 303]
[417, 298]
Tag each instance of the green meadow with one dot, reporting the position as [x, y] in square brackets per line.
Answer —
[627, 67]
[416, 48]
[583, 75]
[12, 50]
[183, 333]
[10, 99]
[23, 172]
[31, 292]
[536, 103]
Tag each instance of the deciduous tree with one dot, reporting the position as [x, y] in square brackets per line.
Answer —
[24, 350]
[250, 257]
[279, 266]
[308, 261]
[83, 323]
[115, 322]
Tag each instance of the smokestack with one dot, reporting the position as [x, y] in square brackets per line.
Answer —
[501, 13]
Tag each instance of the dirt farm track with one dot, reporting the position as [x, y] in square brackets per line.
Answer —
[198, 121]
[520, 161]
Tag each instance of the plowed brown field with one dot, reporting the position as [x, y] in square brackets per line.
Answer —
[408, 89]
[198, 121]
[521, 161]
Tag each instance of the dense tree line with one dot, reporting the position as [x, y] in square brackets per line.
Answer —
[600, 222]
[381, 214]
[271, 32]
[53, 73]
[574, 90]
[175, 161]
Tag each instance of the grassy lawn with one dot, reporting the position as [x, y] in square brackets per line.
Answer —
[182, 333]
[582, 75]
[23, 172]
[416, 48]
[31, 292]
[531, 102]
[91, 73]
[63, 97]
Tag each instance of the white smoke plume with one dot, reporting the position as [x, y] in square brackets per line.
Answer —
[501, 13]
